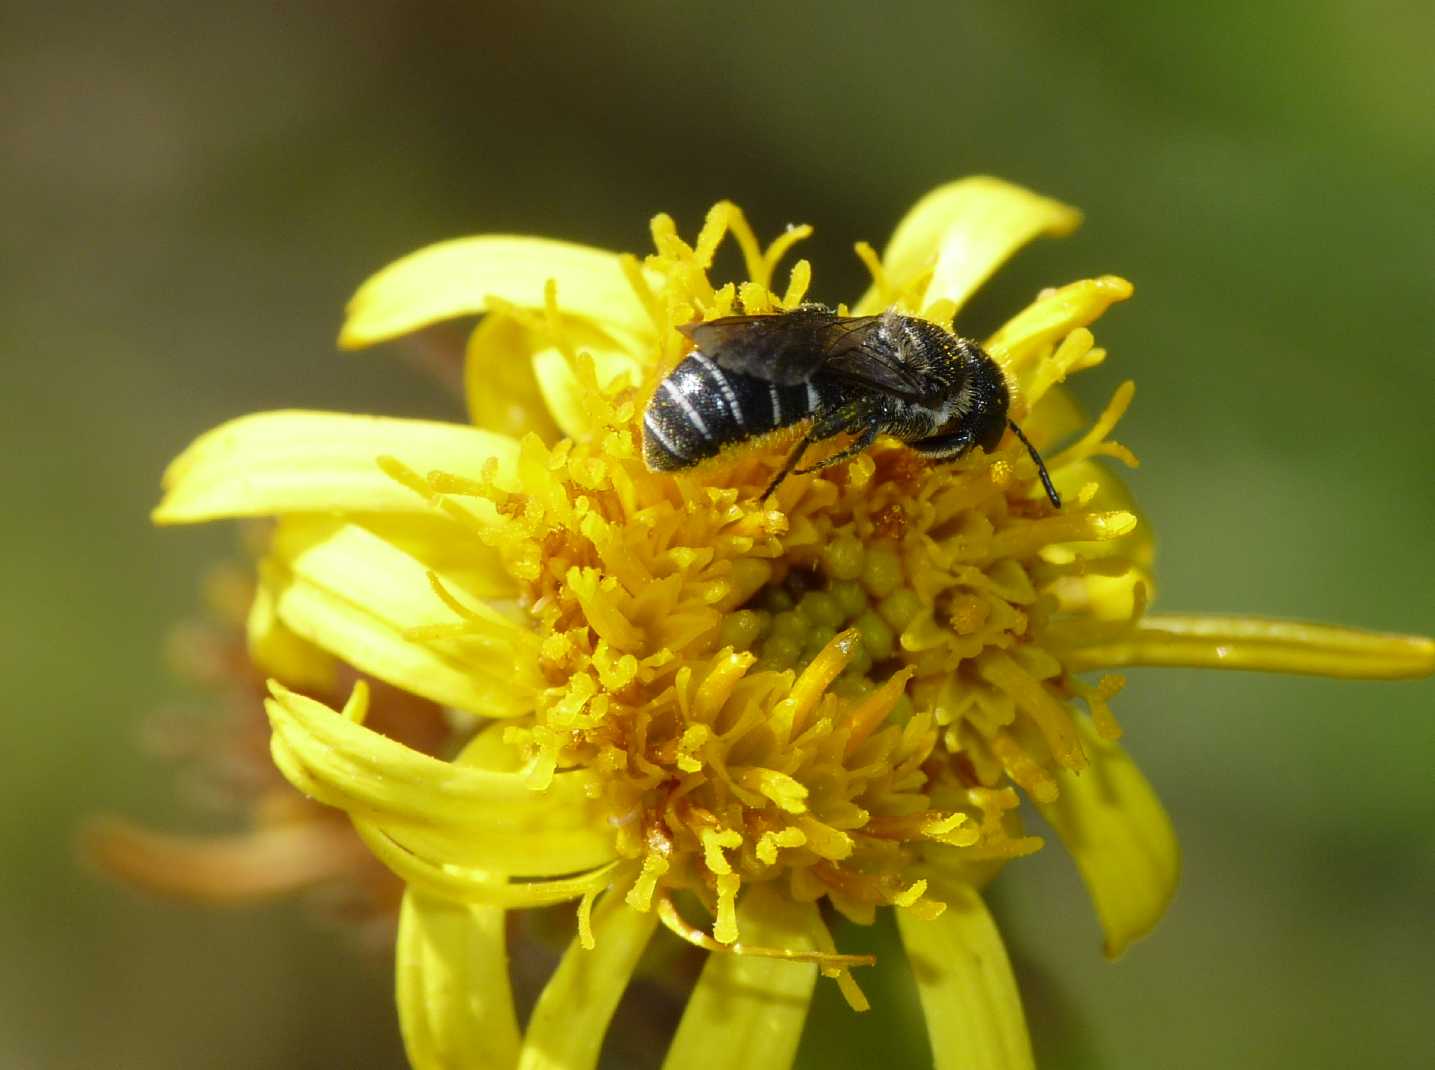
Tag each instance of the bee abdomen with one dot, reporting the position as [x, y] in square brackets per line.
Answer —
[701, 409]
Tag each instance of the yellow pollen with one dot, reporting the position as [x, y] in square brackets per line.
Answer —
[816, 688]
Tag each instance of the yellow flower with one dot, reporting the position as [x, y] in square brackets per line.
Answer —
[695, 707]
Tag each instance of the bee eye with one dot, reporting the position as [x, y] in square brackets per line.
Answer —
[990, 426]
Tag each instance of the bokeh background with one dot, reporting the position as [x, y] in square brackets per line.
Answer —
[192, 191]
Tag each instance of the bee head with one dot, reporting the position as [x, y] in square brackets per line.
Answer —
[987, 401]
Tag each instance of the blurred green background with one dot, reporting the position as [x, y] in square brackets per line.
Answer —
[192, 191]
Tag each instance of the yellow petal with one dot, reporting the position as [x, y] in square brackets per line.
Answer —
[955, 237]
[1097, 594]
[1260, 644]
[446, 547]
[1114, 826]
[502, 391]
[1054, 417]
[461, 277]
[377, 647]
[358, 596]
[1051, 317]
[568, 1024]
[289, 462]
[455, 1006]
[566, 396]
[461, 861]
[969, 996]
[478, 885]
[278, 651]
[445, 813]
[746, 1012]
[360, 563]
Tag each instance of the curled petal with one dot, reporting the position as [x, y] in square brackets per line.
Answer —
[1102, 577]
[464, 276]
[293, 461]
[358, 595]
[747, 1011]
[955, 237]
[379, 647]
[969, 996]
[1050, 318]
[1054, 416]
[481, 886]
[455, 1006]
[499, 383]
[1260, 644]
[572, 1015]
[1117, 830]
[278, 651]
[443, 813]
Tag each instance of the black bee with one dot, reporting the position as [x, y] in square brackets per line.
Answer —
[890, 374]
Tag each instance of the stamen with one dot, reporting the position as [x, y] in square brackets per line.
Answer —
[779, 248]
[640, 896]
[873, 710]
[669, 916]
[633, 271]
[927, 824]
[1024, 769]
[585, 919]
[851, 991]
[873, 264]
[771, 842]
[715, 226]
[797, 284]
[1051, 716]
[747, 242]
[1023, 540]
[356, 707]
[812, 684]
[1093, 441]
[408, 478]
[1074, 349]
[725, 927]
[1097, 700]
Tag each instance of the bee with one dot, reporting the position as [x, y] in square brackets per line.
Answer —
[889, 374]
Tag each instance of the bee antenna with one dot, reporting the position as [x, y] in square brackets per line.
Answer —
[1040, 467]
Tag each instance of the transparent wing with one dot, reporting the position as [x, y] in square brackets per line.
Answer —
[783, 348]
[791, 347]
[871, 363]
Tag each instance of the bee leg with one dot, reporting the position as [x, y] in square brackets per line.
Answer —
[950, 447]
[945, 447]
[788, 465]
[828, 424]
[864, 439]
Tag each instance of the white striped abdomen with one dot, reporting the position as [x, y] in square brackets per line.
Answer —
[700, 410]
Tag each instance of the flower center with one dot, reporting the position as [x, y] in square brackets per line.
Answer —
[817, 693]
[837, 687]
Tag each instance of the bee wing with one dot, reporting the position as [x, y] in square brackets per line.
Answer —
[878, 366]
[784, 347]
[790, 347]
